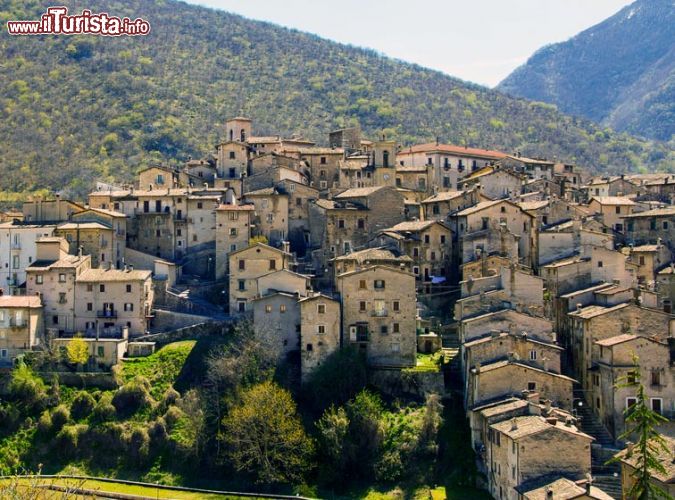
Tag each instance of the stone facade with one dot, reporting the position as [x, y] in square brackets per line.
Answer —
[320, 331]
[379, 314]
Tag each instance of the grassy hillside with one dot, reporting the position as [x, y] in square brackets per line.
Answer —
[620, 72]
[76, 109]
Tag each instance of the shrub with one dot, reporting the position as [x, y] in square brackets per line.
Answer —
[28, 388]
[68, 438]
[157, 432]
[172, 416]
[337, 380]
[132, 397]
[82, 406]
[171, 397]
[139, 446]
[60, 417]
[9, 417]
[45, 423]
[104, 411]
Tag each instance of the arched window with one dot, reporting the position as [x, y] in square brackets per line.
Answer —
[231, 134]
[243, 135]
[385, 158]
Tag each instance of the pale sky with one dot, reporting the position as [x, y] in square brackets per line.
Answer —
[477, 40]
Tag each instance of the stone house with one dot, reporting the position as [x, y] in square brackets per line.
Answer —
[505, 320]
[509, 377]
[665, 482]
[233, 232]
[612, 210]
[320, 331]
[49, 211]
[110, 301]
[379, 314]
[276, 317]
[104, 353]
[609, 398]
[499, 345]
[94, 238]
[561, 488]
[356, 172]
[512, 288]
[112, 219]
[528, 448]
[246, 266]
[284, 280]
[594, 323]
[299, 198]
[349, 222]
[449, 163]
[160, 177]
[21, 326]
[271, 214]
[427, 243]
[19, 244]
[651, 225]
[53, 277]
[495, 182]
[609, 186]
[377, 256]
[417, 179]
[485, 218]
[533, 168]
[650, 259]
[442, 204]
[324, 166]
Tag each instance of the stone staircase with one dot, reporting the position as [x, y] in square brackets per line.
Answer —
[451, 362]
[589, 422]
[607, 477]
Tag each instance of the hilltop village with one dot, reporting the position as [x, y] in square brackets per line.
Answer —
[532, 282]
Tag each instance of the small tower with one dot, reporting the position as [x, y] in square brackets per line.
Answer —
[238, 129]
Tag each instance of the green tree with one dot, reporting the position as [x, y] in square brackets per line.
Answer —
[77, 351]
[265, 436]
[650, 447]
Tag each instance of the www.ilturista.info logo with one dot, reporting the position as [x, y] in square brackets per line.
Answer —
[57, 21]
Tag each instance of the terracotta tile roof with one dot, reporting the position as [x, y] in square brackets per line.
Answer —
[657, 212]
[19, 301]
[613, 200]
[243, 208]
[107, 275]
[520, 427]
[667, 459]
[618, 339]
[444, 196]
[432, 147]
[378, 253]
[412, 226]
[358, 192]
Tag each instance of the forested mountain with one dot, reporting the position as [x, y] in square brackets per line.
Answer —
[620, 73]
[77, 109]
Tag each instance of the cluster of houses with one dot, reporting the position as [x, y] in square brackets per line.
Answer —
[554, 280]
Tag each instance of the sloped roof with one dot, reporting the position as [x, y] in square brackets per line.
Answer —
[430, 147]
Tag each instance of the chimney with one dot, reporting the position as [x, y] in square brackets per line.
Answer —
[494, 333]
[549, 493]
[514, 424]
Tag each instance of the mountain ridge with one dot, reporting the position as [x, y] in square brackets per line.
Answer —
[602, 72]
[85, 108]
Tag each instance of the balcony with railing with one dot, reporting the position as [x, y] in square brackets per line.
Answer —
[106, 313]
[379, 313]
[17, 323]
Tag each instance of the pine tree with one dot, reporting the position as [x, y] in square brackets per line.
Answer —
[641, 423]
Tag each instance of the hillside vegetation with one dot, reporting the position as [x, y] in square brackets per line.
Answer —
[220, 413]
[620, 72]
[77, 109]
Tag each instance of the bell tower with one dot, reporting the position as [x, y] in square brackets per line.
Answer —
[238, 129]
